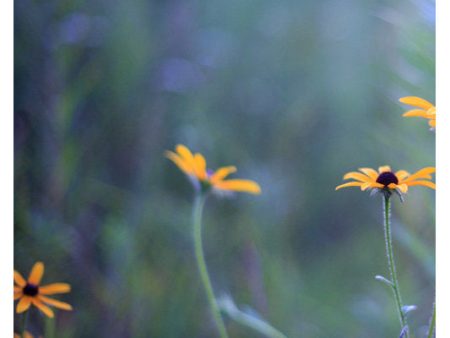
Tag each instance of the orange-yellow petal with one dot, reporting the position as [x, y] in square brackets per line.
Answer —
[422, 173]
[416, 102]
[36, 273]
[384, 168]
[44, 308]
[403, 188]
[222, 173]
[369, 172]
[185, 153]
[424, 183]
[402, 174]
[357, 176]
[56, 303]
[182, 164]
[392, 186]
[349, 184]
[366, 185]
[416, 113]
[54, 288]
[239, 185]
[200, 166]
[24, 304]
[432, 123]
[17, 295]
[26, 334]
[18, 278]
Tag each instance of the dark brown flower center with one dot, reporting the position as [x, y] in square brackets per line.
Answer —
[31, 289]
[387, 178]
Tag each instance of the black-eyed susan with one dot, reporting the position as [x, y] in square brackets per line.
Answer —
[194, 165]
[387, 181]
[423, 109]
[31, 292]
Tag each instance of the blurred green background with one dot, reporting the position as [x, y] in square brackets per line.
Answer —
[294, 93]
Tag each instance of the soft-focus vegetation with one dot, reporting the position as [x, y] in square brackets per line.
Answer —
[295, 93]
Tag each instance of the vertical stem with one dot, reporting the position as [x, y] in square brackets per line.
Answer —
[24, 322]
[432, 323]
[391, 263]
[197, 220]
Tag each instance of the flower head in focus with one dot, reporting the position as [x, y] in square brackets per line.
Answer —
[423, 109]
[31, 292]
[386, 181]
[194, 165]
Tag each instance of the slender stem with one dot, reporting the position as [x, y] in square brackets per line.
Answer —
[197, 220]
[24, 322]
[391, 263]
[432, 323]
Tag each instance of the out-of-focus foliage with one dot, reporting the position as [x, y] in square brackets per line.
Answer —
[295, 93]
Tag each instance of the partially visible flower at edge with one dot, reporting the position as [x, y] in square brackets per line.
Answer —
[194, 165]
[427, 110]
[31, 292]
[26, 334]
[386, 181]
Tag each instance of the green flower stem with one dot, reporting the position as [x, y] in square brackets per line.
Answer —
[432, 323]
[49, 328]
[391, 263]
[197, 220]
[24, 322]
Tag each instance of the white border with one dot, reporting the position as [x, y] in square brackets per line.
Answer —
[442, 178]
[6, 177]
[443, 168]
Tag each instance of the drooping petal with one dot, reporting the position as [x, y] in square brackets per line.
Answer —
[384, 168]
[416, 113]
[403, 188]
[392, 186]
[239, 185]
[18, 278]
[432, 123]
[416, 102]
[44, 308]
[349, 184]
[24, 304]
[200, 166]
[222, 173]
[56, 303]
[183, 165]
[369, 172]
[357, 176]
[424, 183]
[54, 288]
[36, 273]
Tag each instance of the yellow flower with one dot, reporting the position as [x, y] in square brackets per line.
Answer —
[385, 180]
[426, 109]
[31, 292]
[194, 165]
